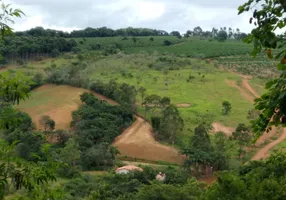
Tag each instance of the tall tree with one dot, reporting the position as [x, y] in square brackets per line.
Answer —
[171, 123]
[243, 137]
[199, 151]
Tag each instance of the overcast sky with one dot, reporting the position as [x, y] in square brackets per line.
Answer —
[168, 15]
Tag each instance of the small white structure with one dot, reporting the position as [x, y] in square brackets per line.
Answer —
[161, 177]
[127, 169]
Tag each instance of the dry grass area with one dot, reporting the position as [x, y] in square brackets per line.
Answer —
[58, 102]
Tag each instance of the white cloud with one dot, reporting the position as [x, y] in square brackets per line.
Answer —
[169, 15]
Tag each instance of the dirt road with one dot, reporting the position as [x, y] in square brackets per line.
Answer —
[264, 152]
[138, 142]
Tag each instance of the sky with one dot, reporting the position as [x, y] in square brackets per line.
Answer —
[169, 15]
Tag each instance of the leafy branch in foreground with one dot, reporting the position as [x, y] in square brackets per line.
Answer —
[268, 16]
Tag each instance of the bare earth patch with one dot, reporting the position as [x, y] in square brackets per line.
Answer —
[183, 105]
[138, 142]
[218, 127]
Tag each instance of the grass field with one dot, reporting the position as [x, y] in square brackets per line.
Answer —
[205, 95]
[191, 47]
[204, 92]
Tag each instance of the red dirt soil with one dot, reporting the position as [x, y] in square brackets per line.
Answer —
[138, 142]
[264, 152]
[217, 127]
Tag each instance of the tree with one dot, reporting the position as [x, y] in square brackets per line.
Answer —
[268, 18]
[243, 136]
[189, 191]
[70, 154]
[151, 39]
[226, 107]
[55, 53]
[222, 36]
[167, 43]
[255, 180]
[47, 122]
[134, 39]
[175, 33]
[142, 92]
[151, 102]
[171, 124]
[198, 31]
[199, 151]
[14, 87]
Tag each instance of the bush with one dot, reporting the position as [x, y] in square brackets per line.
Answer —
[76, 50]
[55, 53]
[95, 46]
[20, 61]
[167, 43]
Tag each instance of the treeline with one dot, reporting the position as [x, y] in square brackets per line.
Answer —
[130, 31]
[93, 32]
[29, 47]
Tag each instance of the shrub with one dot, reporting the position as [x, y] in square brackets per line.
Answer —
[167, 43]
[55, 53]
[76, 50]
[20, 61]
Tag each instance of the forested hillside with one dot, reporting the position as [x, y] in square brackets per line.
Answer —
[141, 113]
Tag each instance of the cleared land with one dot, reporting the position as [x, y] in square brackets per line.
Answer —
[138, 142]
[59, 102]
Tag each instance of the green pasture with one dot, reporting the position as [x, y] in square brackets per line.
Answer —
[191, 47]
[205, 95]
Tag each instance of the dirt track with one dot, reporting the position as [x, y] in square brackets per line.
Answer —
[264, 152]
[137, 142]
[244, 93]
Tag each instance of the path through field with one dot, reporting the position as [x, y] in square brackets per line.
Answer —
[262, 153]
[250, 94]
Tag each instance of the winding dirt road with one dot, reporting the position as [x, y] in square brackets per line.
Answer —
[264, 152]
[250, 94]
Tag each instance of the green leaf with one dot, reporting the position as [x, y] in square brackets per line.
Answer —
[281, 66]
[269, 84]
